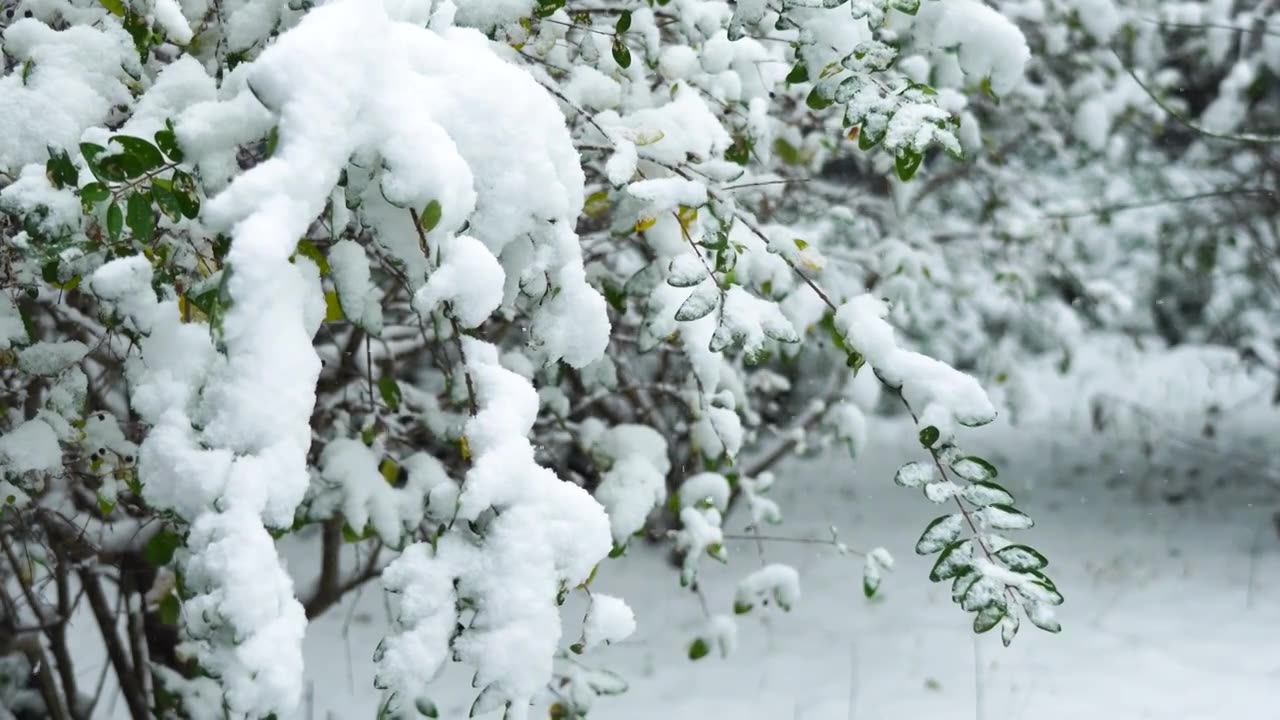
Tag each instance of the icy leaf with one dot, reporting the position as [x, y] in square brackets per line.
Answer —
[955, 559]
[1005, 517]
[1008, 628]
[915, 474]
[940, 532]
[686, 270]
[700, 303]
[940, 492]
[986, 591]
[986, 493]
[988, 617]
[1042, 616]
[1021, 558]
[960, 586]
[974, 469]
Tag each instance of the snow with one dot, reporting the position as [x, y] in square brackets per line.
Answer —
[989, 45]
[51, 358]
[635, 483]
[360, 300]
[31, 446]
[78, 75]
[775, 583]
[609, 620]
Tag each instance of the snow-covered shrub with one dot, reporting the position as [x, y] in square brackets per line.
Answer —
[485, 288]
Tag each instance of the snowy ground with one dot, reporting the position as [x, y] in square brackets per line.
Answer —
[1169, 560]
[1173, 610]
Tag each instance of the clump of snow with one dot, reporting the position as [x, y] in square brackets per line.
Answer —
[940, 394]
[608, 620]
[988, 45]
[776, 582]
[33, 445]
[546, 534]
[635, 482]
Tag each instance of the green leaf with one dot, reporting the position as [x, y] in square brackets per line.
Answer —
[975, 469]
[621, 53]
[1021, 558]
[1008, 628]
[941, 532]
[90, 153]
[167, 141]
[597, 204]
[159, 550]
[431, 215]
[307, 249]
[170, 609]
[988, 617]
[115, 221]
[798, 74]
[547, 8]
[929, 435]
[624, 22]
[140, 155]
[699, 304]
[426, 708]
[140, 217]
[955, 559]
[389, 391]
[698, 649]
[184, 189]
[94, 192]
[816, 101]
[986, 493]
[907, 163]
[166, 199]
[115, 7]
[962, 584]
[741, 608]
[105, 505]
[1006, 517]
[60, 171]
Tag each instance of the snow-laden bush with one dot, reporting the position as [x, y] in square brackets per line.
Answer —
[486, 288]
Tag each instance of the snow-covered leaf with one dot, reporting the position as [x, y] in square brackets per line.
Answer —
[984, 493]
[1005, 517]
[1021, 558]
[915, 474]
[940, 532]
[955, 559]
[700, 303]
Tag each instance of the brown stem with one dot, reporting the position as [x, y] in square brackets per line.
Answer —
[129, 684]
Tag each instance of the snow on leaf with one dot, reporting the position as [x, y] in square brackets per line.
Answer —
[940, 492]
[942, 531]
[955, 559]
[988, 617]
[686, 270]
[986, 493]
[974, 469]
[700, 303]
[1021, 558]
[915, 474]
[1009, 627]
[1005, 517]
